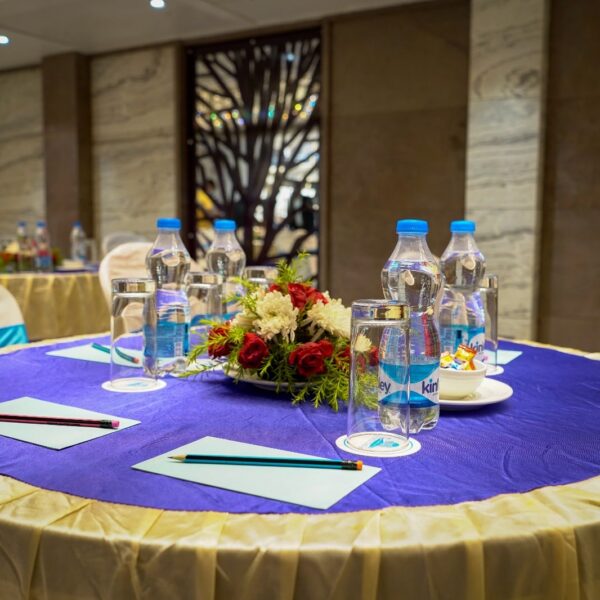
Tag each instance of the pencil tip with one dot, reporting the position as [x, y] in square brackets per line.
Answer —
[359, 465]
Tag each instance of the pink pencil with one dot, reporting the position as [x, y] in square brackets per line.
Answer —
[38, 420]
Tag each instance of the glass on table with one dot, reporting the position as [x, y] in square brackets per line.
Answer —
[263, 276]
[378, 407]
[489, 299]
[133, 335]
[205, 293]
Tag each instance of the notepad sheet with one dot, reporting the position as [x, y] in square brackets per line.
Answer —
[315, 488]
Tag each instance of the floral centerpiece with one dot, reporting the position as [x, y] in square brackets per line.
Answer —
[291, 334]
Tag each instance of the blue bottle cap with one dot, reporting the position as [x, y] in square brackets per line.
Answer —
[412, 226]
[168, 223]
[224, 225]
[462, 227]
[77, 224]
[22, 223]
[41, 223]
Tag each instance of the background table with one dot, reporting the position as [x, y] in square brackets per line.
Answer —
[58, 305]
[542, 543]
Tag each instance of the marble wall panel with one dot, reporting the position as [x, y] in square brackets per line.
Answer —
[133, 140]
[21, 149]
[505, 147]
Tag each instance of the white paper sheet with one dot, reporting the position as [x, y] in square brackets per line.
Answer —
[54, 436]
[88, 352]
[316, 488]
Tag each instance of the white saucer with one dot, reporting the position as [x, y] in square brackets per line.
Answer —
[489, 392]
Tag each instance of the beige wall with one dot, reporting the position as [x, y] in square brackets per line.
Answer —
[21, 150]
[133, 140]
[397, 138]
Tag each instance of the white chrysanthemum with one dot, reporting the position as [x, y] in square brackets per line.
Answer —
[362, 343]
[332, 317]
[276, 315]
[243, 320]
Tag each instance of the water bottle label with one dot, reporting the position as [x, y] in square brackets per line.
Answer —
[453, 336]
[391, 383]
[173, 315]
[477, 339]
[424, 384]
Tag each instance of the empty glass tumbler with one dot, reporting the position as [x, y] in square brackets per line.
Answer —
[263, 276]
[133, 335]
[378, 409]
[489, 298]
[205, 293]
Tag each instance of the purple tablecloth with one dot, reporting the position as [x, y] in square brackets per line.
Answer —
[548, 433]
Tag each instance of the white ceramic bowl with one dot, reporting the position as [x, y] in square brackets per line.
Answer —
[459, 384]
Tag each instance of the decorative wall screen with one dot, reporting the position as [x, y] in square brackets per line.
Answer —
[256, 143]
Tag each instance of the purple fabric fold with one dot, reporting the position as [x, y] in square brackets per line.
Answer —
[548, 433]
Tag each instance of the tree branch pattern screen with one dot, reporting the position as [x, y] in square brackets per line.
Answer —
[256, 144]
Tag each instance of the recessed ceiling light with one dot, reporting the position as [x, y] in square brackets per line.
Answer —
[4, 39]
[158, 4]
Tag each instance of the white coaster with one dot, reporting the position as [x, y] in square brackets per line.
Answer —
[412, 447]
[133, 385]
[494, 370]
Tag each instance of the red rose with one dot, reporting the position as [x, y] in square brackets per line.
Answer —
[313, 295]
[297, 292]
[217, 346]
[309, 358]
[326, 348]
[274, 288]
[374, 356]
[253, 351]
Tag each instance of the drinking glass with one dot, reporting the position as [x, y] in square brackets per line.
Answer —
[263, 276]
[378, 410]
[489, 298]
[133, 335]
[204, 291]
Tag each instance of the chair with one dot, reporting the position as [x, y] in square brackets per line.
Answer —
[12, 326]
[126, 260]
[112, 240]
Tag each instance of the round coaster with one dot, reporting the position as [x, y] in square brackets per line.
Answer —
[134, 385]
[494, 370]
[412, 447]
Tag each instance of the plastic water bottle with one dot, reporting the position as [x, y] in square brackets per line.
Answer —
[43, 259]
[462, 314]
[168, 263]
[412, 276]
[226, 257]
[26, 253]
[78, 243]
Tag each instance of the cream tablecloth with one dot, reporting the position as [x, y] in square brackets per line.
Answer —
[59, 305]
[541, 545]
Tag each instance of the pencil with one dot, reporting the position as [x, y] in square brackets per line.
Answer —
[40, 420]
[133, 359]
[266, 461]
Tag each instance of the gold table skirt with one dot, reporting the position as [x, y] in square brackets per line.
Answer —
[59, 305]
[544, 544]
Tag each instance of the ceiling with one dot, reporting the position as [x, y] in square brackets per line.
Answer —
[39, 28]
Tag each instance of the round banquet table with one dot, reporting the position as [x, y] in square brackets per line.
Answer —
[502, 502]
[58, 305]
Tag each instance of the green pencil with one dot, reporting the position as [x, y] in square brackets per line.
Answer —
[267, 461]
[106, 349]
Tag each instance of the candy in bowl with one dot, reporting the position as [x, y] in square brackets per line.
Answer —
[456, 384]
